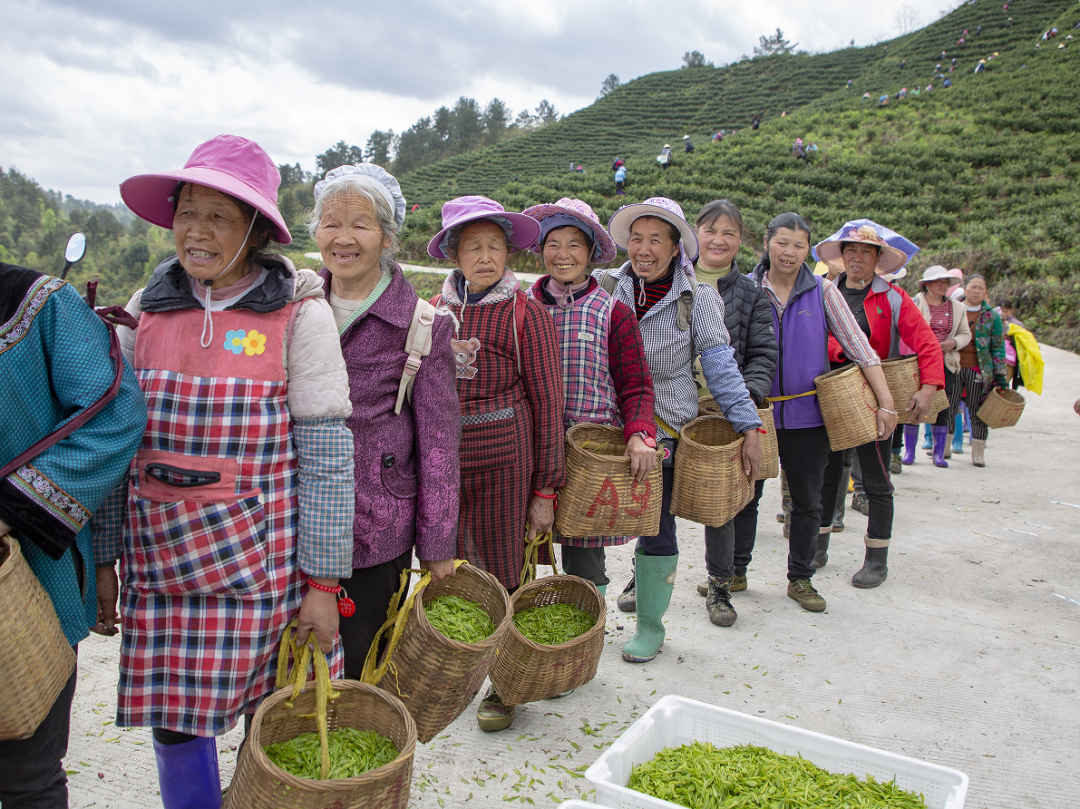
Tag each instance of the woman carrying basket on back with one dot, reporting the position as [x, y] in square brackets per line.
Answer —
[806, 310]
[509, 381]
[605, 375]
[886, 315]
[679, 319]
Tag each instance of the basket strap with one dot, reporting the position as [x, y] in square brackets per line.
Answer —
[791, 396]
[395, 624]
[324, 692]
[532, 556]
[667, 427]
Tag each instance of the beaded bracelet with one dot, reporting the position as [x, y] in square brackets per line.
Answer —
[322, 588]
[546, 496]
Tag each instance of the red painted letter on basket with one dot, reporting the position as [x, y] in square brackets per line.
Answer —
[611, 500]
[641, 499]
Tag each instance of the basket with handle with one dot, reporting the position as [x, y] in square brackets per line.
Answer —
[434, 676]
[35, 657]
[526, 671]
[601, 497]
[770, 454]
[848, 407]
[904, 380]
[710, 487]
[1002, 408]
[331, 705]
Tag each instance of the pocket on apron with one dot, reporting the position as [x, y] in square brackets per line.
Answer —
[191, 534]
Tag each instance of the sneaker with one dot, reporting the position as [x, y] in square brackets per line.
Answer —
[779, 516]
[703, 588]
[627, 600]
[895, 467]
[860, 503]
[803, 592]
[738, 583]
[493, 714]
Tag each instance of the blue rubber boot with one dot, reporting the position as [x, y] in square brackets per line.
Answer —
[188, 774]
[928, 439]
[958, 435]
[655, 580]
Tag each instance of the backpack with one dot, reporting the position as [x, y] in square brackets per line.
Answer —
[417, 346]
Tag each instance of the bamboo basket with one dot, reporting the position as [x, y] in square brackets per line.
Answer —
[848, 406]
[434, 676]
[526, 671]
[600, 497]
[35, 657]
[904, 381]
[1002, 408]
[259, 784]
[710, 487]
[770, 454]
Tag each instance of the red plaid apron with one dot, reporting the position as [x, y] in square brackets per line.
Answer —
[209, 571]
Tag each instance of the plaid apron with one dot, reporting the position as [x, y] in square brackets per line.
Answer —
[210, 576]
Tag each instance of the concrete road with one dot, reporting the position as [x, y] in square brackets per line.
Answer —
[967, 656]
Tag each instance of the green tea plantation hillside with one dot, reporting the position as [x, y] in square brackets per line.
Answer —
[984, 175]
[639, 117]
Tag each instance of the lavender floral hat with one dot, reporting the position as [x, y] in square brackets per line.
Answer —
[660, 207]
[578, 214]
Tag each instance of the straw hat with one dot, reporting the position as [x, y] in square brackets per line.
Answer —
[935, 273]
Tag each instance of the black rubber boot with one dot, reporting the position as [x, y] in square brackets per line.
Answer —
[821, 553]
[875, 569]
[718, 601]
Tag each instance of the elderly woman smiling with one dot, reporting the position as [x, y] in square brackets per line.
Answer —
[405, 457]
[509, 380]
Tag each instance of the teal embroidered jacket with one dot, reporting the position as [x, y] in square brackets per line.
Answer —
[54, 363]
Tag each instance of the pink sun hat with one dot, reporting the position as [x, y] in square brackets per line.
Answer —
[463, 210]
[578, 214]
[227, 163]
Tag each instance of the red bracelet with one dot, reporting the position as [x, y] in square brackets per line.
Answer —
[762, 430]
[322, 588]
[546, 496]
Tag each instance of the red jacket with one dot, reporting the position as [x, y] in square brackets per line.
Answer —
[911, 327]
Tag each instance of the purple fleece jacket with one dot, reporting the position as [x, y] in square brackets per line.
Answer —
[407, 475]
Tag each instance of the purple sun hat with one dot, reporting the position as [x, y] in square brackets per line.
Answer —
[578, 214]
[463, 210]
[660, 207]
[227, 163]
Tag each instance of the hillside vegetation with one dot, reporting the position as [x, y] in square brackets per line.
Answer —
[984, 175]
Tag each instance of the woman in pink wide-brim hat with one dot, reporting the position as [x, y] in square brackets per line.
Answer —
[236, 517]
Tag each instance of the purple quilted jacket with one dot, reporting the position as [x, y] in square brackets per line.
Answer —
[407, 475]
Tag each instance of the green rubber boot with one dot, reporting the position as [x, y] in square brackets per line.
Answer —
[603, 589]
[655, 580]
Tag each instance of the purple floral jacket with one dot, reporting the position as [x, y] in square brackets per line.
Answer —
[407, 475]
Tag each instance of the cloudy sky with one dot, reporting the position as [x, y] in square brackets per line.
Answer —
[93, 91]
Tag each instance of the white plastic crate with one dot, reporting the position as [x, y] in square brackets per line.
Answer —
[673, 721]
[576, 804]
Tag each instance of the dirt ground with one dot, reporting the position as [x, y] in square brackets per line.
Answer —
[967, 656]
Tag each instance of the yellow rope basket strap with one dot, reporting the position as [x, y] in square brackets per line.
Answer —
[532, 555]
[667, 427]
[791, 396]
[312, 654]
[395, 623]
